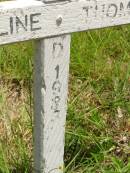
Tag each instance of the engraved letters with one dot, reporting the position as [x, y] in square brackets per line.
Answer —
[111, 10]
[23, 25]
[26, 23]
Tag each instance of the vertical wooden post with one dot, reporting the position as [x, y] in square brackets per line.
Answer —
[50, 98]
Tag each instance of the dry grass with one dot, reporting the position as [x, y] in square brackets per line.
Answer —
[98, 120]
[15, 125]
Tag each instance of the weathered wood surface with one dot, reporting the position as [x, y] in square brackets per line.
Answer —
[24, 20]
[50, 98]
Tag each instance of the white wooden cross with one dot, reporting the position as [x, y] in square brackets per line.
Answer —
[50, 23]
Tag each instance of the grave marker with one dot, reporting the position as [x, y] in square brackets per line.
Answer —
[50, 23]
[51, 86]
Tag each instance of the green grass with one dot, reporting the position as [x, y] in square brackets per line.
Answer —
[98, 117]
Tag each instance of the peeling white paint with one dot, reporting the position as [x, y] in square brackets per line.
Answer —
[76, 16]
[51, 86]
[29, 19]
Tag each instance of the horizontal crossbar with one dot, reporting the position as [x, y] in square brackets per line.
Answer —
[29, 19]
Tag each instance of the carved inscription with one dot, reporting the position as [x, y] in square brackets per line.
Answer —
[56, 87]
[57, 50]
[81, 15]
[25, 23]
[111, 10]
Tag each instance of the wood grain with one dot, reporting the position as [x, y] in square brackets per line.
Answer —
[50, 98]
[21, 21]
